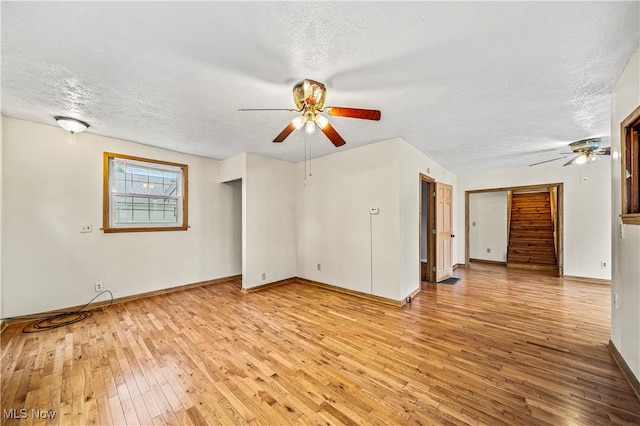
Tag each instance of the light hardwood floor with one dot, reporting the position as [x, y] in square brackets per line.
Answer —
[502, 347]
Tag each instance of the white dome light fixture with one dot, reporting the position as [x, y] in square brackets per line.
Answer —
[71, 125]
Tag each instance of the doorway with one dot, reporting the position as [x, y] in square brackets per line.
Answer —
[427, 229]
[232, 212]
[555, 204]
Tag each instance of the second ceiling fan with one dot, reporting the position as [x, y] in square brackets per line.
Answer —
[309, 97]
[584, 151]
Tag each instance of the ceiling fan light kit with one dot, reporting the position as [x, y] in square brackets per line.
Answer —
[309, 97]
[582, 159]
[310, 127]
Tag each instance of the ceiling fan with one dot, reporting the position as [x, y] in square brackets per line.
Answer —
[309, 97]
[584, 151]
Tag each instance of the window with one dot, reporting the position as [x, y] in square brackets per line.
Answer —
[143, 195]
[630, 156]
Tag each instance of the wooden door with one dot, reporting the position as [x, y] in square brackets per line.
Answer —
[444, 231]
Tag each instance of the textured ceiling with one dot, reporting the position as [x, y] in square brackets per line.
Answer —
[475, 86]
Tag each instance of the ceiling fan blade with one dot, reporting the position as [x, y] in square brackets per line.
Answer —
[285, 132]
[367, 114]
[548, 161]
[603, 151]
[331, 133]
[266, 109]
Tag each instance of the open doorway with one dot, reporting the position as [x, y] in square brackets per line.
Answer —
[524, 222]
[233, 217]
[427, 229]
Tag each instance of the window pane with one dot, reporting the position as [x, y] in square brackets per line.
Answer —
[124, 212]
[120, 185]
[170, 183]
[163, 210]
[155, 189]
[146, 210]
[169, 189]
[141, 209]
[140, 187]
[155, 176]
[140, 175]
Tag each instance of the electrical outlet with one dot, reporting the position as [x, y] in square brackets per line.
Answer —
[603, 265]
[98, 285]
[319, 267]
[85, 228]
[488, 250]
[264, 276]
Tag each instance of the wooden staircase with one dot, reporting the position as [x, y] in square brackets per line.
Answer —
[531, 232]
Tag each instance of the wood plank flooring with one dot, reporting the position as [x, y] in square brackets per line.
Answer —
[502, 347]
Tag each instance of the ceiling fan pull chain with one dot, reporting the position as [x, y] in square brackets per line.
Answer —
[310, 174]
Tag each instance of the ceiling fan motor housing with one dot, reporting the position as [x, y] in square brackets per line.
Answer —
[309, 94]
[585, 145]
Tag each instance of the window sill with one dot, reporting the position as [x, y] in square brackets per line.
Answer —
[631, 219]
[144, 229]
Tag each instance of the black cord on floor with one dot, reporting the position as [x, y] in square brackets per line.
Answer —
[63, 318]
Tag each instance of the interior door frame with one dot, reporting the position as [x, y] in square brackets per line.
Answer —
[539, 187]
[431, 225]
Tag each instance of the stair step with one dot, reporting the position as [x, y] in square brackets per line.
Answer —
[531, 206]
[532, 221]
[530, 235]
[531, 260]
[531, 215]
[531, 226]
[532, 252]
[531, 243]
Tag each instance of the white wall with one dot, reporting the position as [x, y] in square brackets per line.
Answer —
[233, 168]
[411, 163]
[1, 222]
[269, 233]
[52, 183]
[625, 319]
[375, 254]
[488, 226]
[335, 228]
[587, 234]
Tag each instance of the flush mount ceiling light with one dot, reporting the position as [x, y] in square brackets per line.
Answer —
[71, 125]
